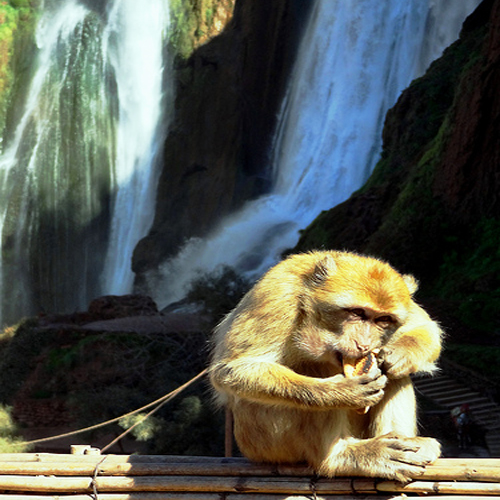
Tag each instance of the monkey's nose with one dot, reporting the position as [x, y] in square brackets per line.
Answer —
[362, 347]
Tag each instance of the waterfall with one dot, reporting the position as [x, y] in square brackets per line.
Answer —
[354, 61]
[137, 59]
[83, 150]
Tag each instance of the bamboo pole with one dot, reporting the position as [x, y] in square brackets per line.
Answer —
[445, 487]
[441, 471]
[61, 457]
[156, 464]
[203, 496]
[444, 469]
[149, 469]
[215, 484]
[194, 477]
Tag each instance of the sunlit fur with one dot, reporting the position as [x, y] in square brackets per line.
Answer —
[277, 364]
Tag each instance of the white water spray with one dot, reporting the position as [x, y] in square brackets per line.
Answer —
[354, 60]
[82, 155]
[137, 59]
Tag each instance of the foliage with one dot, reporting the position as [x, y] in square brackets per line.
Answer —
[194, 22]
[102, 375]
[470, 275]
[19, 347]
[17, 25]
[218, 292]
[144, 428]
[483, 360]
[10, 442]
[193, 428]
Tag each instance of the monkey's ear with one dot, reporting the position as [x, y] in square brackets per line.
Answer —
[411, 283]
[322, 270]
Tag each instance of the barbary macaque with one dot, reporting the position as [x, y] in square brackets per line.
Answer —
[278, 364]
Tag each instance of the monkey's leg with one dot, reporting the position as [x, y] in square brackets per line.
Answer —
[397, 412]
[392, 450]
[396, 415]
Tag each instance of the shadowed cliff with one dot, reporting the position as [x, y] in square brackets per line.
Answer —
[228, 94]
[431, 206]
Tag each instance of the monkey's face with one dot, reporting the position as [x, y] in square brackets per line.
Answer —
[351, 310]
[335, 332]
[361, 330]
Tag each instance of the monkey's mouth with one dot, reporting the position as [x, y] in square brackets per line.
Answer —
[339, 357]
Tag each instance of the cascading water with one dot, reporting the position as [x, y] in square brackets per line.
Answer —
[354, 60]
[137, 59]
[82, 152]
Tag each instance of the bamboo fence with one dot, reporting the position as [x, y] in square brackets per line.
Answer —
[45, 476]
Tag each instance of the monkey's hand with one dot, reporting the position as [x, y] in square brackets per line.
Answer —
[406, 355]
[414, 347]
[396, 362]
[388, 456]
[358, 392]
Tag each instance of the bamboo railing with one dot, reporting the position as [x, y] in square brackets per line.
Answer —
[44, 476]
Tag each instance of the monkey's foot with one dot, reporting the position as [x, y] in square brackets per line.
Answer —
[388, 456]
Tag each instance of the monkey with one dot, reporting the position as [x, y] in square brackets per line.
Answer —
[277, 364]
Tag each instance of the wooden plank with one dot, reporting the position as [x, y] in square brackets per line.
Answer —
[444, 470]
[440, 487]
[281, 485]
[149, 469]
[206, 496]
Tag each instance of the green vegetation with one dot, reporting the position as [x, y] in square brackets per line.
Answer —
[481, 359]
[17, 25]
[10, 442]
[218, 292]
[143, 427]
[470, 276]
[102, 375]
[194, 22]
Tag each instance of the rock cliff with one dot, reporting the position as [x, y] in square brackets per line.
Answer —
[431, 206]
[228, 93]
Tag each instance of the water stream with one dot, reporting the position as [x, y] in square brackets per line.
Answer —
[354, 61]
[77, 177]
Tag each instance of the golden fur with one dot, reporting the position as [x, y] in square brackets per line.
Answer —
[277, 363]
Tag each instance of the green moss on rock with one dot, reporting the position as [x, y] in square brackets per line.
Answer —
[17, 26]
[194, 22]
[431, 205]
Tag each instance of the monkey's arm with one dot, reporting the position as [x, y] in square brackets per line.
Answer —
[270, 382]
[414, 347]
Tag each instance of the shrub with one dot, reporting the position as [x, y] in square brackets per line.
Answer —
[218, 292]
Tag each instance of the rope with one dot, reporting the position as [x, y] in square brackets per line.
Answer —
[94, 478]
[160, 402]
[168, 398]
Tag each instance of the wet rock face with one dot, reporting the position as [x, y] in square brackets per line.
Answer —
[468, 179]
[431, 206]
[228, 94]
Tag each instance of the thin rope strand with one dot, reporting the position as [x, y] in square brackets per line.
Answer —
[164, 398]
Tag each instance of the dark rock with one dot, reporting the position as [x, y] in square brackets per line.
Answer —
[431, 206]
[122, 306]
[227, 100]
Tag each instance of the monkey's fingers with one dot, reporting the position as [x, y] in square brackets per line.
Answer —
[414, 451]
[360, 366]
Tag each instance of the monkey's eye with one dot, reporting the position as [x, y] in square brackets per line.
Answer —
[358, 312]
[384, 321]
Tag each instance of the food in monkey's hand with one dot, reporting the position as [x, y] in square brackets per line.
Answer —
[354, 367]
